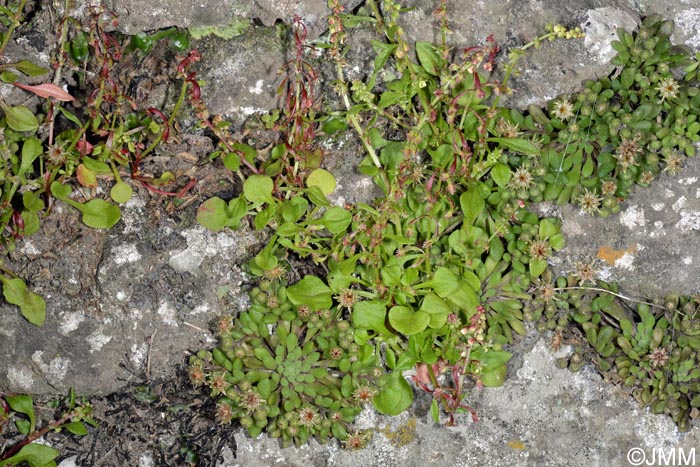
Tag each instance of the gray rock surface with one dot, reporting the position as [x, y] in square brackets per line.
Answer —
[140, 16]
[652, 246]
[122, 306]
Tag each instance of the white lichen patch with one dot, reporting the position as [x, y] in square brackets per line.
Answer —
[658, 230]
[97, 340]
[168, 313]
[679, 204]
[55, 371]
[201, 244]
[668, 193]
[658, 206]
[146, 460]
[121, 296]
[200, 309]
[21, 378]
[688, 21]
[132, 215]
[29, 249]
[688, 260]
[633, 217]
[625, 262]
[70, 322]
[697, 193]
[257, 89]
[138, 354]
[690, 220]
[687, 180]
[604, 273]
[125, 253]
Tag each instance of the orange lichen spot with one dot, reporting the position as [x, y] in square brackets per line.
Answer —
[610, 255]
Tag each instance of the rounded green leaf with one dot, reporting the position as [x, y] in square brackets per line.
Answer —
[395, 396]
[31, 305]
[494, 378]
[322, 179]
[258, 189]
[406, 321]
[437, 309]
[311, 291]
[212, 214]
[99, 214]
[501, 174]
[537, 267]
[369, 315]
[121, 192]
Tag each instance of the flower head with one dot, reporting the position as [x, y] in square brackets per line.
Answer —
[589, 201]
[627, 152]
[658, 357]
[309, 417]
[668, 88]
[562, 109]
[539, 249]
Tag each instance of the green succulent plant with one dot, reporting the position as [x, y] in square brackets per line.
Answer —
[623, 129]
[291, 370]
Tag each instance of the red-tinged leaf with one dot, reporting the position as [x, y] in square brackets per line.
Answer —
[47, 90]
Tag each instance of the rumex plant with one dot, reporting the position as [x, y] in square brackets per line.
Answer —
[19, 430]
[47, 151]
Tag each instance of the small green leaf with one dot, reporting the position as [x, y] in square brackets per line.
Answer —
[294, 209]
[96, 166]
[317, 197]
[21, 119]
[435, 411]
[472, 204]
[548, 228]
[557, 241]
[32, 201]
[99, 214]
[335, 219]
[311, 291]
[8, 77]
[36, 455]
[444, 282]
[29, 68]
[322, 179]
[437, 309]
[212, 214]
[25, 405]
[501, 174]
[76, 428]
[537, 267]
[333, 125]
[258, 189]
[31, 222]
[517, 144]
[395, 396]
[406, 321]
[429, 57]
[121, 192]
[31, 305]
[31, 149]
[368, 314]
[494, 378]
